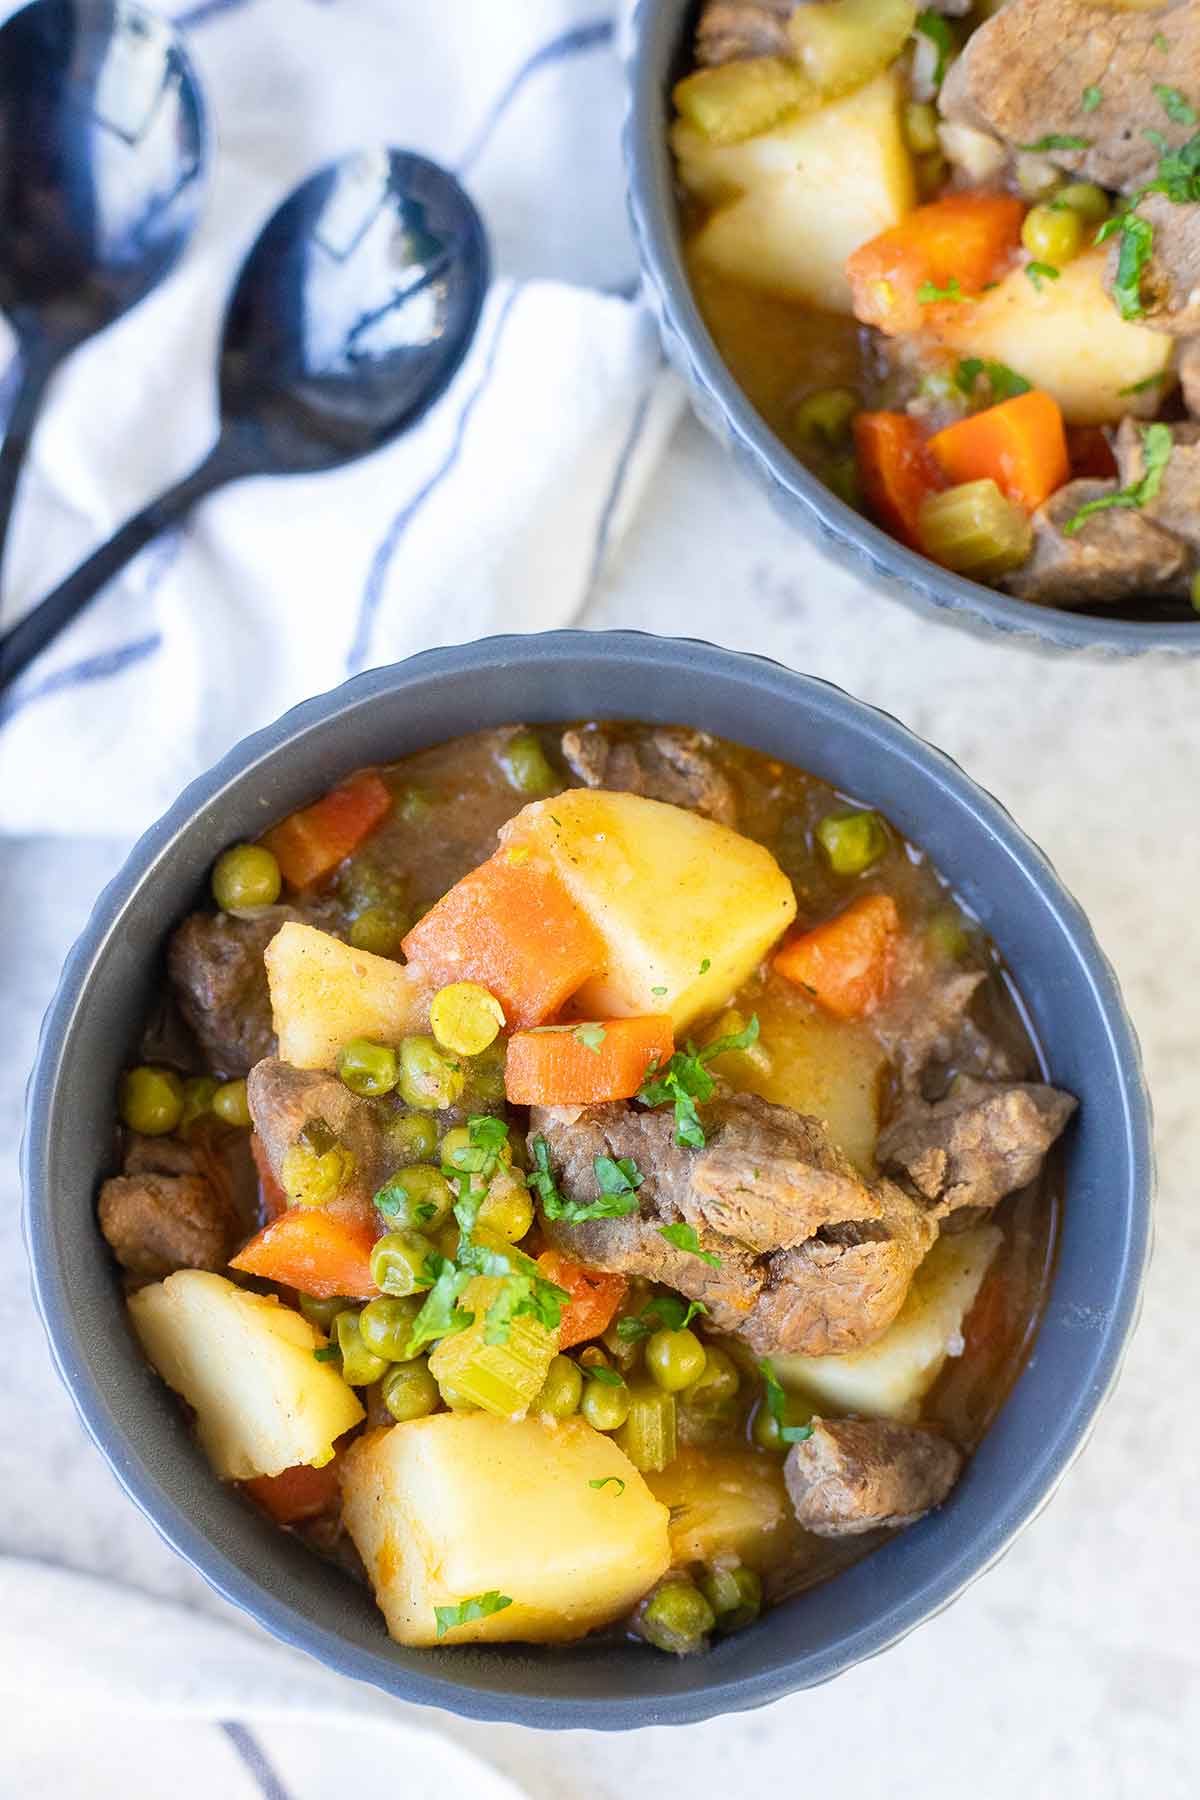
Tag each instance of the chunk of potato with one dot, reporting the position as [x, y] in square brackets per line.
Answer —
[727, 1506]
[687, 908]
[245, 1363]
[830, 1068]
[460, 1504]
[1067, 338]
[323, 993]
[793, 202]
[889, 1379]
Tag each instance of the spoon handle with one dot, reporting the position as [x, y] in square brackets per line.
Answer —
[37, 365]
[30, 636]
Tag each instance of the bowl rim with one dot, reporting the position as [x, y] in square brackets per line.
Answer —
[1030, 1489]
[915, 578]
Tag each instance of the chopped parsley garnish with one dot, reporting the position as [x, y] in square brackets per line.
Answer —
[658, 990]
[1178, 174]
[1041, 271]
[928, 293]
[604, 1481]
[1160, 43]
[590, 1036]
[479, 1606]
[440, 1316]
[684, 1238]
[329, 1353]
[1137, 247]
[1157, 445]
[1057, 140]
[777, 1406]
[687, 1083]
[605, 1376]
[1140, 387]
[617, 1181]
[1175, 105]
[1004, 382]
[933, 26]
[1092, 96]
[705, 966]
[668, 1313]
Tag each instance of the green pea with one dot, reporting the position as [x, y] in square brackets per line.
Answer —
[151, 1100]
[316, 1167]
[360, 1366]
[507, 1208]
[321, 1312]
[485, 1077]
[198, 1091]
[410, 1138]
[413, 805]
[386, 1325]
[677, 1618]
[429, 1080]
[398, 1263]
[562, 1389]
[1084, 198]
[524, 763]
[852, 841]
[675, 1359]
[735, 1596]
[245, 875]
[380, 930]
[409, 1391]
[717, 1383]
[230, 1103]
[368, 1069]
[948, 935]
[823, 417]
[1051, 235]
[766, 1429]
[841, 475]
[417, 1198]
[605, 1407]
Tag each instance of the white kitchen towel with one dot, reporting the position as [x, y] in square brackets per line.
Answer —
[112, 1695]
[497, 513]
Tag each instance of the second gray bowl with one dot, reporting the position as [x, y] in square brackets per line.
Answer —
[661, 33]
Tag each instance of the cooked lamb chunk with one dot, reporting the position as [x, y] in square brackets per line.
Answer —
[984, 1140]
[671, 764]
[728, 30]
[812, 1258]
[156, 1223]
[1025, 72]
[925, 1024]
[1187, 363]
[856, 1475]
[216, 967]
[1170, 279]
[284, 1100]
[159, 1156]
[842, 1289]
[1176, 505]
[1114, 555]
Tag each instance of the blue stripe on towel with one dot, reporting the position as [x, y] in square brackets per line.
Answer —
[203, 10]
[100, 667]
[382, 559]
[255, 1761]
[576, 41]
[616, 488]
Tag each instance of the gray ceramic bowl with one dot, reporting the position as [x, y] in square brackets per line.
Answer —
[661, 31]
[92, 1028]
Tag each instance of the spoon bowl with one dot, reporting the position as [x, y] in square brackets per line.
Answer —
[349, 318]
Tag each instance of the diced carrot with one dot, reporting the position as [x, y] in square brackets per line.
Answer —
[1021, 444]
[320, 1250]
[1090, 453]
[308, 845]
[512, 926]
[898, 474]
[846, 963]
[272, 1199]
[579, 1065]
[595, 1297]
[951, 247]
[296, 1494]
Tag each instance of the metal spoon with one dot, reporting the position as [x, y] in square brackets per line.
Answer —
[102, 164]
[349, 318]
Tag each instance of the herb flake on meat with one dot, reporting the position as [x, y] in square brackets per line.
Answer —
[687, 1083]
[1057, 140]
[1174, 104]
[1157, 445]
[684, 1237]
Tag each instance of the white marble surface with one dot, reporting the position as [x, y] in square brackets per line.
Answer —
[1073, 1669]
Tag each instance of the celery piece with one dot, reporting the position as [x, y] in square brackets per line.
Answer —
[740, 99]
[502, 1379]
[975, 530]
[648, 1434]
[845, 44]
